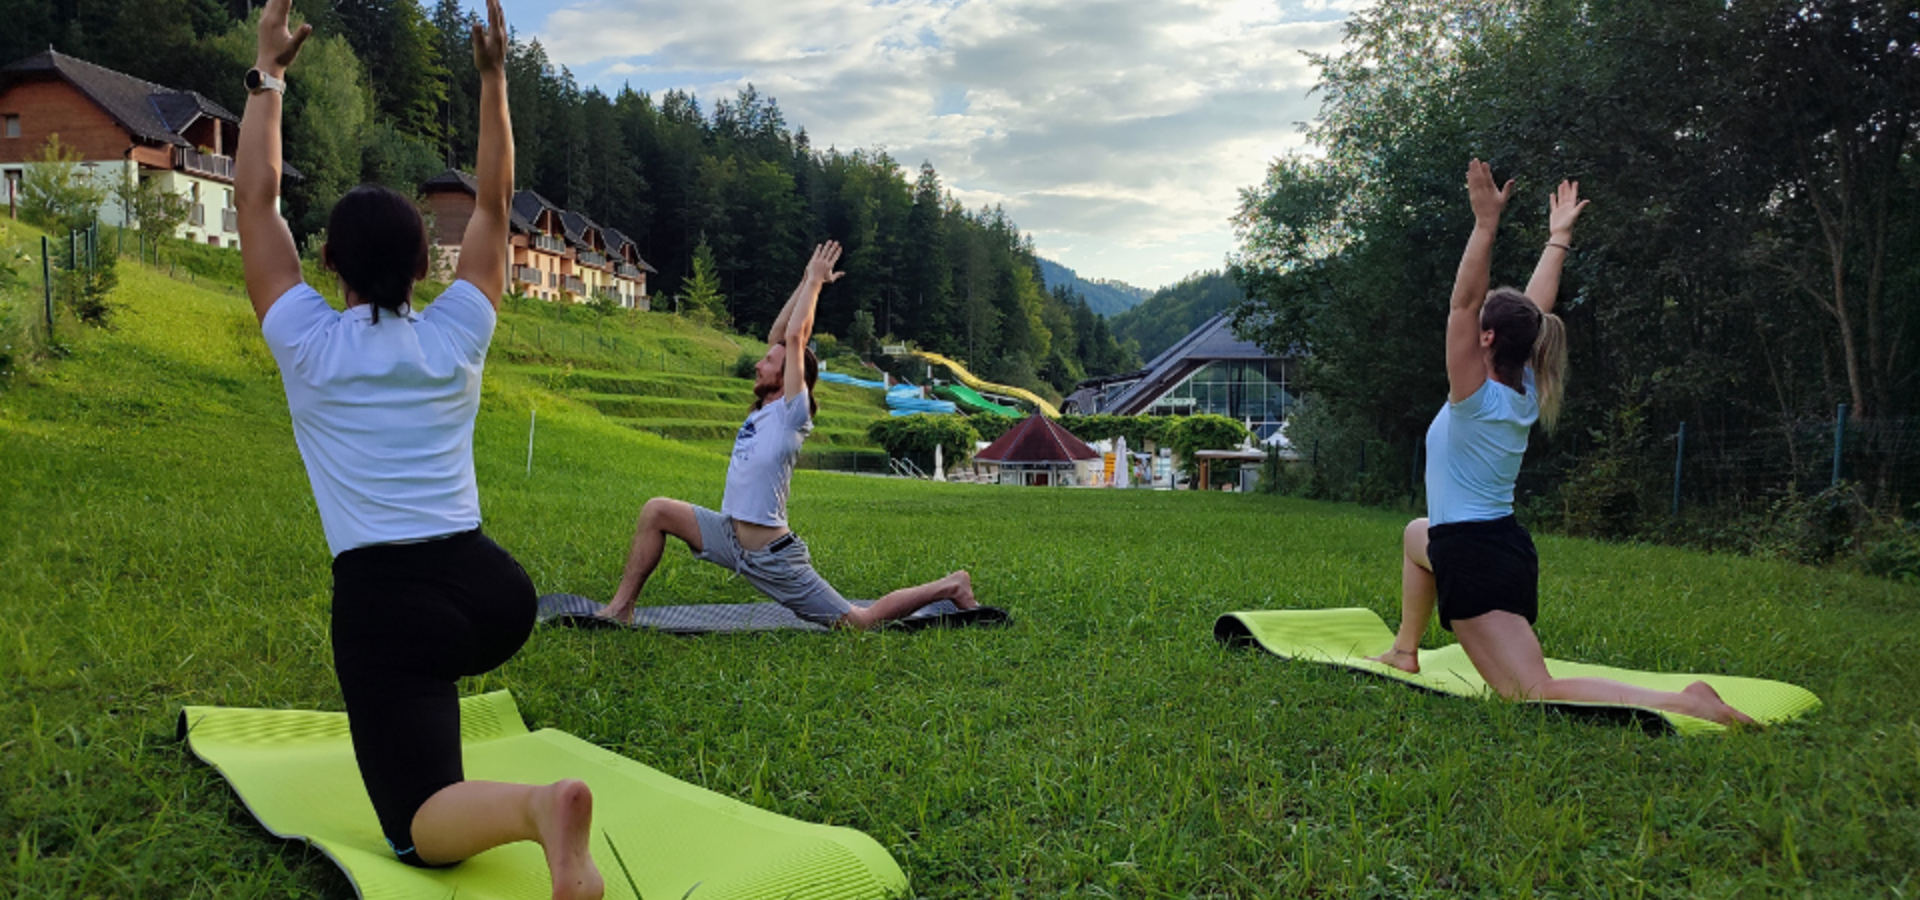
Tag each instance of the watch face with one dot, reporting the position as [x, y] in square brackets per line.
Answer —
[253, 79]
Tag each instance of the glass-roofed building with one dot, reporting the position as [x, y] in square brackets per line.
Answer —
[1211, 370]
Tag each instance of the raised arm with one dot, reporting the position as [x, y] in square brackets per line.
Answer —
[1563, 209]
[1466, 364]
[268, 257]
[795, 324]
[778, 333]
[483, 249]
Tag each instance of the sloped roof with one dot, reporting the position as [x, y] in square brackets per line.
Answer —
[1037, 440]
[527, 207]
[1214, 340]
[451, 179]
[147, 110]
[617, 239]
[577, 226]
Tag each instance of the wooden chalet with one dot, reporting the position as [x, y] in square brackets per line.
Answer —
[124, 129]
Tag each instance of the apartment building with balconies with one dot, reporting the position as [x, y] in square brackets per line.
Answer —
[557, 254]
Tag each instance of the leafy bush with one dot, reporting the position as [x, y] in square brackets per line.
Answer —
[1613, 490]
[1138, 430]
[1191, 434]
[12, 341]
[914, 437]
[93, 287]
[990, 426]
[1893, 552]
[56, 193]
[743, 365]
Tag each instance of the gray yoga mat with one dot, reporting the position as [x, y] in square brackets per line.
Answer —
[575, 611]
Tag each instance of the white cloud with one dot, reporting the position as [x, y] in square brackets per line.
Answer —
[1117, 132]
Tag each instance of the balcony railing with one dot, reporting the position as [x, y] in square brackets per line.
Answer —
[576, 286]
[526, 275]
[627, 270]
[607, 294]
[590, 258]
[549, 243]
[197, 215]
[230, 220]
[212, 165]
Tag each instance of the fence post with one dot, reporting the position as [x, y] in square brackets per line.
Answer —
[1679, 454]
[1839, 442]
[46, 282]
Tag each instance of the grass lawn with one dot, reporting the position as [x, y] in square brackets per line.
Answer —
[161, 548]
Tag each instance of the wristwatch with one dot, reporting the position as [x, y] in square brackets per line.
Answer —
[258, 81]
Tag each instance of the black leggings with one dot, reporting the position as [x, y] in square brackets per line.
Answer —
[408, 621]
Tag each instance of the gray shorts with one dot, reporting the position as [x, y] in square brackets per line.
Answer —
[783, 570]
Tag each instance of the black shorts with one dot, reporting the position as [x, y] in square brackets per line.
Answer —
[408, 621]
[1485, 566]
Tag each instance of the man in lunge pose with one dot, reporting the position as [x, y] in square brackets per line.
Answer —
[749, 534]
[1506, 367]
[383, 400]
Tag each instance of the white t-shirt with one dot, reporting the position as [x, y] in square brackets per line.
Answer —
[383, 412]
[761, 471]
[1474, 449]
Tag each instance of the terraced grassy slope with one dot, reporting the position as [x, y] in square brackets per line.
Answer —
[704, 408]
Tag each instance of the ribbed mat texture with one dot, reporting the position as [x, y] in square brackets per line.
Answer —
[1345, 637]
[295, 772]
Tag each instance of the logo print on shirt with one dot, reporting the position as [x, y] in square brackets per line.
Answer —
[743, 442]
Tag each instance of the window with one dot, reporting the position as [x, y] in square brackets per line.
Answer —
[12, 126]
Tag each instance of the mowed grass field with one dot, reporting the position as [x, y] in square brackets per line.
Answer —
[159, 547]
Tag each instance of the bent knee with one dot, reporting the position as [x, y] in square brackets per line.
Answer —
[1414, 540]
[656, 510]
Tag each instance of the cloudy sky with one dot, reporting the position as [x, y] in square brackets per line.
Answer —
[1116, 132]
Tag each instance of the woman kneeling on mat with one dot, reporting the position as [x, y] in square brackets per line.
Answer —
[1506, 365]
[383, 402]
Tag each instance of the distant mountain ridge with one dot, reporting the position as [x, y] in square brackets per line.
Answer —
[1104, 296]
[1175, 310]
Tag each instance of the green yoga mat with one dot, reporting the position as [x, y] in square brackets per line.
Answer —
[1346, 637]
[295, 772]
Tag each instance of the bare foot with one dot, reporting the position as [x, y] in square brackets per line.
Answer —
[962, 589]
[563, 815]
[621, 614]
[1708, 705]
[1404, 660]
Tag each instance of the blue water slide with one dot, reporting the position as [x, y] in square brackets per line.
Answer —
[905, 400]
[838, 378]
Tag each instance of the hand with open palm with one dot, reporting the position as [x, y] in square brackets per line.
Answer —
[820, 267]
[490, 41]
[1563, 209]
[1488, 201]
[278, 46]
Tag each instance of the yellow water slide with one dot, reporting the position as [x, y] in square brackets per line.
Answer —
[967, 378]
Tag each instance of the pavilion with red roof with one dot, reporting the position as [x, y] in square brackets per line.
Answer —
[1040, 453]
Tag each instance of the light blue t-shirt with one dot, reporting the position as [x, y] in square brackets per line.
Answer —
[1474, 449]
[761, 471]
[383, 412]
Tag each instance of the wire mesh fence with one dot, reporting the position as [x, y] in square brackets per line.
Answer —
[1655, 473]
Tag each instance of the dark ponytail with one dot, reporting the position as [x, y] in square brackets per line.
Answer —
[377, 244]
[1524, 336]
[812, 372]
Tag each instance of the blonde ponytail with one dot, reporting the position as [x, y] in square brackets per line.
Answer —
[1550, 368]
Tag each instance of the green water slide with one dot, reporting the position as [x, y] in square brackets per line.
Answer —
[970, 400]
